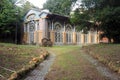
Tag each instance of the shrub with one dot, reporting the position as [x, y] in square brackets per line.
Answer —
[46, 42]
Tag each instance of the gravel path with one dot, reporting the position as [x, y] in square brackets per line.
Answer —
[101, 68]
[43, 68]
[40, 72]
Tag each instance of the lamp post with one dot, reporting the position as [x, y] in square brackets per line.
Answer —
[16, 28]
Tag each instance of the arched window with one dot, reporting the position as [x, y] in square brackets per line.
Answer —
[68, 27]
[58, 33]
[31, 17]
[32, 26]
[57, 26]
[69, 34]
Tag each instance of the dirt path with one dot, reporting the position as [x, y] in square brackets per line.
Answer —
[40, 72]
[72, 64]
[101, 68]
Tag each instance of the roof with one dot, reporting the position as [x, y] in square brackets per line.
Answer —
[39, 13]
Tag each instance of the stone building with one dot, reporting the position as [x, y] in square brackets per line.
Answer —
[39, 24]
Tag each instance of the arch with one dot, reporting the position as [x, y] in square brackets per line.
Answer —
[68, 27]
[32, 26]
[58, 33]
[31, 16]
[57, 26]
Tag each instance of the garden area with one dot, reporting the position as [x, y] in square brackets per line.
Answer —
[70, 64]
[108, 54]
[14, 58]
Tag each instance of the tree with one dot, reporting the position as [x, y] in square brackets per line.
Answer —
[7, 17]
[62, 7]
[107, 13]
[80, 20]
[110, 18]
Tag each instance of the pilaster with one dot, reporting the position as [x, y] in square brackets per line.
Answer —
[40, 36]
[52, 36]
[82, 38]
[64, 37]
[74, 37]
[89, 37]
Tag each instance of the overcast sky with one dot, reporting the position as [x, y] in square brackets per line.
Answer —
[38, 3]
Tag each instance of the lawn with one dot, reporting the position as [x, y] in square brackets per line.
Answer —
[70, 65]
[108, 54]
[14, 57]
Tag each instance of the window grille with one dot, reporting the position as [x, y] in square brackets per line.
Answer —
[86, 38]
[69, 37]
[78, 37]
[58, 34]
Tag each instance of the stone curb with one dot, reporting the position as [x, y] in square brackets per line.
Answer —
[26, 69]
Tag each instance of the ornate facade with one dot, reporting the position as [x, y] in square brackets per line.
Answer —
[43, 24]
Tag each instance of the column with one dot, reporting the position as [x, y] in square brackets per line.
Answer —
[64, 37]
[96, 37]
[52, 25]
[34, 36]
[52, 36]
[35, 33]
[64, 26]
[28, 36]
[40, 37]
[89, 37]
[82, 38]
[74, 37]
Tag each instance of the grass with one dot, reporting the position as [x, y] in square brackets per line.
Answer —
[70, 65]
[109, 54]
[14, 57]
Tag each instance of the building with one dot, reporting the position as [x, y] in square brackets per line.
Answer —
[39, 24]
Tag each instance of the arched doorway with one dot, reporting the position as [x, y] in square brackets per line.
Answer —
[31, 31]
[58, 33]
[69, 34]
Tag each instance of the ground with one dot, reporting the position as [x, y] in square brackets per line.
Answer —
[70, 64]
[108, 54]
[14, 57]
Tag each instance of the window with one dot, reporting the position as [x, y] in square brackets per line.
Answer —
[32, 26]
[31, 17]
[68, 27]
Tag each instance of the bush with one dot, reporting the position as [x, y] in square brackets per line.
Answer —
[46, 42]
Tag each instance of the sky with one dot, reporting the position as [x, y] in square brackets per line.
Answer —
[38, 3]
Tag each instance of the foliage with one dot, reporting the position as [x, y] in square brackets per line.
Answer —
[62, 7]
[25, 8]
[80, 19]
[11, 16]
[7, 15]
[106, 12]
[110, 18]
[7, 18]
